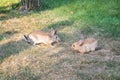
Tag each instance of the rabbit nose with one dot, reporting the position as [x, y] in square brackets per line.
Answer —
[71, 48]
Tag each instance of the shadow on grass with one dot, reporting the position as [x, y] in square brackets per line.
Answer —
[51, 4]
[12, 48]
[60, 25]
[7, 34]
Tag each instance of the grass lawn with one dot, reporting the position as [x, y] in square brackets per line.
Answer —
[92, 18]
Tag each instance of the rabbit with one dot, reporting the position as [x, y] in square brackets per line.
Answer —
[87, 45]
[38, 37]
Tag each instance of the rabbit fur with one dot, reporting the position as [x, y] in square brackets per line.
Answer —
[87, 45]
[38, 37]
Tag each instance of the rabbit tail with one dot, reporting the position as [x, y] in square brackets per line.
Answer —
[26, 38]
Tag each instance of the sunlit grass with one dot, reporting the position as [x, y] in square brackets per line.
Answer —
[7, 5]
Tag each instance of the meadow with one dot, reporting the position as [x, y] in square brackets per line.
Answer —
[92, 18]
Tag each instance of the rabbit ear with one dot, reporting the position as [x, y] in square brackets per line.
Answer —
[82, 37]
[53, 32]
[81, 42]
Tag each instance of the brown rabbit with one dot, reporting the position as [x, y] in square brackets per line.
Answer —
[87, 45]
[38, 37]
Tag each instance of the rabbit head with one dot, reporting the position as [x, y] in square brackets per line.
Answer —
[54, 36]
[77, 45]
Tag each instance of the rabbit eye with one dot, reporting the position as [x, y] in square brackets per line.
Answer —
[73, 45]
[56, 37]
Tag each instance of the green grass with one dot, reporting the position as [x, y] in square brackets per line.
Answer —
[96, 18]
[7, 5]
